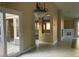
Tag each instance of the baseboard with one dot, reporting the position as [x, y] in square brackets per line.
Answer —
[54, 42]
[28, 49]
[49, 42]
[45, 42]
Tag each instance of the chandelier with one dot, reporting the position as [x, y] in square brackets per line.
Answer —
[40, 10]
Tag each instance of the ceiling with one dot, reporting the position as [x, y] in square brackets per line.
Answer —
[70, 9]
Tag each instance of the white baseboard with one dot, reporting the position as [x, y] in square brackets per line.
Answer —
[49, 42]
[29, 49]
[54, 42]
[45, 42]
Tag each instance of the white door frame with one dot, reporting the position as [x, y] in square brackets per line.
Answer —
[12, 11]
[76, 28]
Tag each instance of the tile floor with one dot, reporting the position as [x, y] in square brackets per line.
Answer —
[61, 49]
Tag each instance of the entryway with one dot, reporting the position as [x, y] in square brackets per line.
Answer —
[10, 36]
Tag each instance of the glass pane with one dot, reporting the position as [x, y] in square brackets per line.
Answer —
[48, 26]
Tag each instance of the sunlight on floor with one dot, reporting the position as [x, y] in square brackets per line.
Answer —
[12, 48]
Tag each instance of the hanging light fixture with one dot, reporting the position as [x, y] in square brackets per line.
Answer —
[40, 10]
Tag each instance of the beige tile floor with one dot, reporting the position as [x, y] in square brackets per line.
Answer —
[61, 49]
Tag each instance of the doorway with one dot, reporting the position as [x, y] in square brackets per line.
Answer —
[42, 30]
[10, 35]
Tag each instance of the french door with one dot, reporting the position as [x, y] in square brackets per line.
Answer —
[10, 44]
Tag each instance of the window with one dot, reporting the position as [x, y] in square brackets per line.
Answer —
[36, 25]
[46, 26]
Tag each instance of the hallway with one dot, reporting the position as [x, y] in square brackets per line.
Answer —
[47, 21]
[61, 49]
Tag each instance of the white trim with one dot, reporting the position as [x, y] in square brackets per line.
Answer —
[45, 42]
[76, 28]
[55, 42]
[49, 42]
[12, 11]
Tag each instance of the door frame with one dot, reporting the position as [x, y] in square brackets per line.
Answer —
[76, 28]
[12, 11]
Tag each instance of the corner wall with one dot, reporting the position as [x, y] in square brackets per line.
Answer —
[27, 23]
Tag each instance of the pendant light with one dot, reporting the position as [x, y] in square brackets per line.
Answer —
[40, 9]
